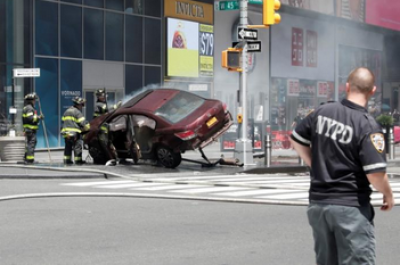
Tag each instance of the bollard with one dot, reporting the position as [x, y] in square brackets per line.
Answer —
[267, 150]
[391, 144]
[301, 161]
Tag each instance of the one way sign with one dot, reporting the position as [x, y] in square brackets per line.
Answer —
[247, 34]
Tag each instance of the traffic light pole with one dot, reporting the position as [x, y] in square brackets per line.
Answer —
[244, 148]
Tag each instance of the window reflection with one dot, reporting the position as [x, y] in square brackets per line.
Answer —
[134, 6]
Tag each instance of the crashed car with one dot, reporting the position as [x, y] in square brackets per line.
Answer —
[162, 124]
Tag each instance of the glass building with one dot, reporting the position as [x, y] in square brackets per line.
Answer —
[79, 46]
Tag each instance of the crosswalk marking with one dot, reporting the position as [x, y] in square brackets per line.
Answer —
[226, 186]
[212, 189]
[170, 187]
[254, 192]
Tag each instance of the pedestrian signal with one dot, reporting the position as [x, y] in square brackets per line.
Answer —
[232, 59]
[269, 15]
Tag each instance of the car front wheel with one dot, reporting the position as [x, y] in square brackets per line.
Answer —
[168, 158]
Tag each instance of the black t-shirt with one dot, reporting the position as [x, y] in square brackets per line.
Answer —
[346, 144]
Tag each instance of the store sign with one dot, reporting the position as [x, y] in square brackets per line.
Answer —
[293, 88]
[311, 48]
[26, 72]
[322, 90]
[206, 50]
[297, 47]
[189, 10]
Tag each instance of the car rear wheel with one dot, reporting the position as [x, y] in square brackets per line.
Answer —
[167, 157]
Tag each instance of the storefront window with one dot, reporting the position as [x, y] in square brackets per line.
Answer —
[134, 6]
[134, 39]
[46, 88]
[46, 28]
[133, 78]
[94, 34]
[115, 5]
[153, 41]
[71, 31]
[95, 3]
[152, 75]
[114, 36]
[153, 8]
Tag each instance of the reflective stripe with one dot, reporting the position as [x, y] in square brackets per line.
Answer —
[78, 158]
[374, 166]
[32, 127]
[27, 114]
[104, 106]
[30, 157]
[67, 157]
[86, 127]
[301, 139]
[67, 129]
[96, 115]
[71, 118]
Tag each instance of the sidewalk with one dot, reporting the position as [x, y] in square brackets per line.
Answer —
[282, 161]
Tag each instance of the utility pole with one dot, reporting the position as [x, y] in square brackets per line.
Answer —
[244, 148]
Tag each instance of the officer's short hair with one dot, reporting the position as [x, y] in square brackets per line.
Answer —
[361, 79]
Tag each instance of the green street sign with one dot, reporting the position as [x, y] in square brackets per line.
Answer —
[227, 5]
[257, 2]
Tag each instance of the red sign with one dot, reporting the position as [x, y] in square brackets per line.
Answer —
[312, 48]
[297, 47]
[322, 89]
[384, 13]
[293, 89]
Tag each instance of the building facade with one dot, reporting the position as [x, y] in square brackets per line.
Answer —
[125, 46]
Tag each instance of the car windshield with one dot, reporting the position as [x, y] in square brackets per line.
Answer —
[179, 107]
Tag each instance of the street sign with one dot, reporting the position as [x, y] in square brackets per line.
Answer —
[26, 72]
[247, 34]
[257, 2]
[254, 46]
[226, 5]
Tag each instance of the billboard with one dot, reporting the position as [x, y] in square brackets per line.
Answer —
[383, 13]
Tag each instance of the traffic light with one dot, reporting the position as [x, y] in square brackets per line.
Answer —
[269, 15]
[232, 59]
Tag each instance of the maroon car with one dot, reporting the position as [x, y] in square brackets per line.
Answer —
[164, 123]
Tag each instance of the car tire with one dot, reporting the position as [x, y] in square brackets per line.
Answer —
[167, 157]
[97, 156]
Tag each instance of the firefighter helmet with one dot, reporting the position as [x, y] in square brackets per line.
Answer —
[31, 96]
[100, 92]
[79, 101]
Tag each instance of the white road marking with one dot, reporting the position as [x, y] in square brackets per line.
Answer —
[212, 189]
[129, 185]
[298, 195]
[87, 184]
[170, 187]
[254, 192]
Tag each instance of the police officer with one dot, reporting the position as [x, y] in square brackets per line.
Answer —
[101, 104]
[345, 148]
[74, 124]
[30, 121]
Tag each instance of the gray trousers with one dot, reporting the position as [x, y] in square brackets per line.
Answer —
[342, 234]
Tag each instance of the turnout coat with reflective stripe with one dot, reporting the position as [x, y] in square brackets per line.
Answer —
[74, 122]
[30, 119]
[101, 108]
[346, 144]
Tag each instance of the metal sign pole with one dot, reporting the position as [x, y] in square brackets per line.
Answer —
[244, 144]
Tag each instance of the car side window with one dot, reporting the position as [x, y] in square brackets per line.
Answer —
[141, 121]
[118, 123]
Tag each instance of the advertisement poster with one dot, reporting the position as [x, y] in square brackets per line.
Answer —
[206, 51]
[322, 90]
[312, 48]
[351, 9]
[183, 48]
[297, 47]
[293, 89]
[383, 13]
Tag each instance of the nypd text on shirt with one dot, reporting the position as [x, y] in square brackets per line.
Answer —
[335, 130]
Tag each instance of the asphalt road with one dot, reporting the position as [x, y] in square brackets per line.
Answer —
[112, 230]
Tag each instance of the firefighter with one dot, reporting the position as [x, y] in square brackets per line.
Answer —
[30, 121]
[101, 104]
[105, 136]
[74, 125]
